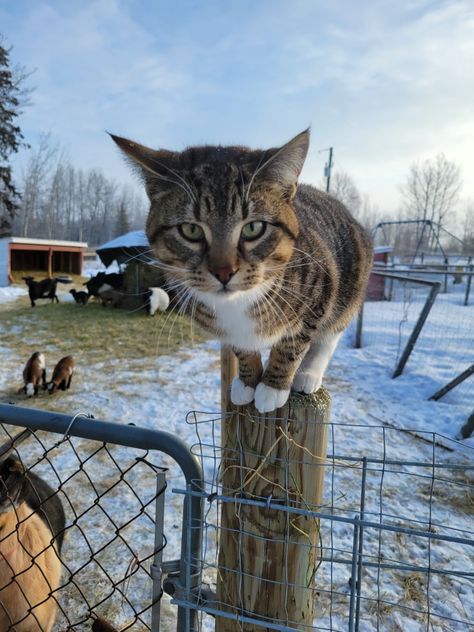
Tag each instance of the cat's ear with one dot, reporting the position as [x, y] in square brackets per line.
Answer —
[285, 164]
[160, 163]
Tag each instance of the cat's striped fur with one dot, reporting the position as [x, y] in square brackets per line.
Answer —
[256, 259]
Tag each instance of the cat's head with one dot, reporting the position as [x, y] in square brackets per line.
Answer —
[221, 218]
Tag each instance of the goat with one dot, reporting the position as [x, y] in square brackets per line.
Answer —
[114, 281]
[46, 288]
[81, 298]
[156, 299]
[32, 524]
[110, 297]
[34, 373]
[62, 374]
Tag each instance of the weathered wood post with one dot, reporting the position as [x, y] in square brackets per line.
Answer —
[268, 556]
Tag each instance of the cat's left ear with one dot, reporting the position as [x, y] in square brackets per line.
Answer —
[286, 163]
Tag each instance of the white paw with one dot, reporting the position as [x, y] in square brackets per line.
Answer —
[241, 394]
[306, 382]
[268, 398]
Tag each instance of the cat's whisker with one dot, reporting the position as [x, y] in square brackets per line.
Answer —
[283, 319]
[176, 300]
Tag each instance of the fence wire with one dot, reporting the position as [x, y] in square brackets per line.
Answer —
[109, 494]
[444, 348]
[395, 545]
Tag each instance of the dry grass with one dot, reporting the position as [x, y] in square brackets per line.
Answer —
[92, 330]
[414, 587]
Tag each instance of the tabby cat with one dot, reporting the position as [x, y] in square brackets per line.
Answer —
[256, 259]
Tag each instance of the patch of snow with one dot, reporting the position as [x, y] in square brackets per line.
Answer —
[11, 293]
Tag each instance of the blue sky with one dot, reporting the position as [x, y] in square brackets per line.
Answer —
[384, 83]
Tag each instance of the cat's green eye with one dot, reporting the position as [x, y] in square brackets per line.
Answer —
[253, 230]
[191, 232]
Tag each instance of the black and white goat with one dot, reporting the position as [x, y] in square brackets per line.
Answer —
[156, 299]
[34, 373]
[46, 288]
[102, 282]
[62, 374]
[81, 298]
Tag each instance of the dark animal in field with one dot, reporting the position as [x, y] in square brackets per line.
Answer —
[32, 524]
[103, 281]
[62, 374]
[156, 299]
[81, 298]
[34, 373]
[111, 297]
[101, 625]
[46, 288]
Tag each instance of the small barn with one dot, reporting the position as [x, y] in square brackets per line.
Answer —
[124, 248]
[43, 257]
[132, 252]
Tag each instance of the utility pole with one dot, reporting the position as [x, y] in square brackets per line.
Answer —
[328, 167]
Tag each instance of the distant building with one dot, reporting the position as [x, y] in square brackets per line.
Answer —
[40, 257]
[376, 287]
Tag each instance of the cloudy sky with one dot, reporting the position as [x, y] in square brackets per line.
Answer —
[385, 83]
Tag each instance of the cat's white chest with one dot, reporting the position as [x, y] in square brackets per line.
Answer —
[234, 321]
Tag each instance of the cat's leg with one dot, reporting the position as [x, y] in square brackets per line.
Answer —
[310, 374]
[274, 388]
[250, 369]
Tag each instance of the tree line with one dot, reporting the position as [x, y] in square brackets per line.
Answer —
[60, 201]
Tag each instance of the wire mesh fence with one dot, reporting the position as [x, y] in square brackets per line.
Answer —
[395, 547]
[444, 346]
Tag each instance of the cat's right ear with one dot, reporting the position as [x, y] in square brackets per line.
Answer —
[150, 162]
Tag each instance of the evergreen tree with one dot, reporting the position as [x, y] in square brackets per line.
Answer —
[10, 137]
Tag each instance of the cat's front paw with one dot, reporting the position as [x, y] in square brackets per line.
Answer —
[268, 398]
[306, 382]
[241, 394]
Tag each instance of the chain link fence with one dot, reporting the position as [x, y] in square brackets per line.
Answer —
[111, 486]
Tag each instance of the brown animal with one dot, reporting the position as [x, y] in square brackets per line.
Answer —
[62, 374]
[111, 297]
[34, 373]
[32, 523]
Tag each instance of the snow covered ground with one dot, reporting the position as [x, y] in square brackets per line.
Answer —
[368, 409]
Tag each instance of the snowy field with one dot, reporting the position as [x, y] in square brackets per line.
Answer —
[368, 411]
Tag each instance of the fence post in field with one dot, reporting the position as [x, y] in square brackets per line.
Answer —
[267, 555]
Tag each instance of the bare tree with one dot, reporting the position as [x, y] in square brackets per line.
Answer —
[344, 189]
[468, 228]
[430, 193]
[34, 183]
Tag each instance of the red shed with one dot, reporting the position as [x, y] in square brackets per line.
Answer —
[376, 287]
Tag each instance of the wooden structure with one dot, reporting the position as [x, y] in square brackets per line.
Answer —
[46, 257]
[268, 555]
[376, 286]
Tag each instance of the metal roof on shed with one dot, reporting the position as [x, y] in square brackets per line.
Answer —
[47, 242]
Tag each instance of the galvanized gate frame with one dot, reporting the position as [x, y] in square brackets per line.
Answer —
[184, 574]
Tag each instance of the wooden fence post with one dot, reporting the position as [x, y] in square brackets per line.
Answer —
[267, 556]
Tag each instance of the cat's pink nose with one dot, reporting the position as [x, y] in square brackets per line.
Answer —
[224, 273]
